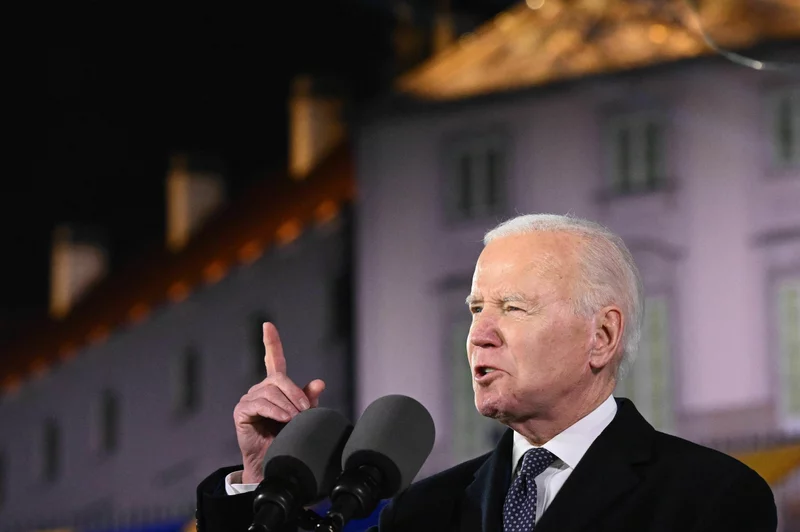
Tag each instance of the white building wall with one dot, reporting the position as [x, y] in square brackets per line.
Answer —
[162, 457]
[697, 241]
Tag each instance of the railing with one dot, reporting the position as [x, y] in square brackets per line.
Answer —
[754, 442]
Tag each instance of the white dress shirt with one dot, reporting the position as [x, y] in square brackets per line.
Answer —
[234, 486]
[569, 447]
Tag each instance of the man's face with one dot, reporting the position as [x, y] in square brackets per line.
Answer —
[527, 349]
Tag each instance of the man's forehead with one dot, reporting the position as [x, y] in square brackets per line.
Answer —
[534, 261]
[523, 264]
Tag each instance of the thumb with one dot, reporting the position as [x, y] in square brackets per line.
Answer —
[313, 390]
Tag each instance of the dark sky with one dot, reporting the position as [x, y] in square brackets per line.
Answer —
[103, 93]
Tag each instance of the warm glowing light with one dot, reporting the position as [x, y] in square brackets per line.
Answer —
[288, 232]
[326, 211]
[658, 33]
[498, 58]
[138, 312]
[214, 272]
[67, 352]
[178, 291]
[466, 38]
[12, 383]
[98, 334]
[504, 21]
[39, 366]
[251, 251]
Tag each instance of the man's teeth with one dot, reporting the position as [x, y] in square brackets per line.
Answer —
[487, 370]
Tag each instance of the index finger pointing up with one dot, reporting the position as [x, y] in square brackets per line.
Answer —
[273, 351]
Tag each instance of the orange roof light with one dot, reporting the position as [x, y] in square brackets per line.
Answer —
[658, 33]
[326, 211]
[39, 366]
[138, 312]
[98, 334]
[178, 291]
[288, 232]
[214, 272]
[251, 251]
[12, 383]
[240, 235]
[67, 351]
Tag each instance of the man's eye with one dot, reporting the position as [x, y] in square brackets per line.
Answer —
[511, 308]
[475, 309]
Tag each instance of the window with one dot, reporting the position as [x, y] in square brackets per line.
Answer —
[187, 396]
[648, 383]
[477, 177]
[255, 330]
[785, 119]
[789, 342]
[473, 434]
[637, 153]
[109, 421]
[341, 305]
[51, 450]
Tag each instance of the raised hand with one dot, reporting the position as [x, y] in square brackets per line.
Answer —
[266, 407]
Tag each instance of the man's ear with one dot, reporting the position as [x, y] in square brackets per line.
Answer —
[609, 324]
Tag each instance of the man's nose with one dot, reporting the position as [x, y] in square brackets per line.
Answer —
[484, 332]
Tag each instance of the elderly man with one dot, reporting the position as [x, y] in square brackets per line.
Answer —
[556, 306]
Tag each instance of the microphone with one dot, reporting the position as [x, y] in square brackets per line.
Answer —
[300, 467]
[386, 450]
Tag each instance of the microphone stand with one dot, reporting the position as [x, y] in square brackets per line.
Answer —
[275, 504]
[355, 495]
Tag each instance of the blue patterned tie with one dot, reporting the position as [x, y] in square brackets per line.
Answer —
[519, 510]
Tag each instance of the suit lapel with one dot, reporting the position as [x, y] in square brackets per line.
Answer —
[604, 474]
[482, 506]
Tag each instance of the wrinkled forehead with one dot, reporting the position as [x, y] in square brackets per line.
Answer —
[551, 256]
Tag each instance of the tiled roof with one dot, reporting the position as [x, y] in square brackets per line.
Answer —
[556, 40]
[270, 214]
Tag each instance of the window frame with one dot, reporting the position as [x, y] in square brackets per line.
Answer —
[773, 99]
[476, 146]
[636, 122]
[51, 465]
[640, 375]
[787, 420]
[101, 441]
[182, 406]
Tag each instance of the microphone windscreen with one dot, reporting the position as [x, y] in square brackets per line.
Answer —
[309, 448]
[395, 434]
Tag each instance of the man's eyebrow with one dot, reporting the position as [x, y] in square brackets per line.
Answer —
[516, 296]
[508, 298]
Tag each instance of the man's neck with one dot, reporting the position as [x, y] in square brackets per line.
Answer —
[541, 429]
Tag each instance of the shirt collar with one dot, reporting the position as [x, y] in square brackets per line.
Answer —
[571, 444]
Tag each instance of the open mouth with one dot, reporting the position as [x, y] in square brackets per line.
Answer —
[482, 372]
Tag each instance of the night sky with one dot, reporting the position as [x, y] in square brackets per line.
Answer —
[103, 93]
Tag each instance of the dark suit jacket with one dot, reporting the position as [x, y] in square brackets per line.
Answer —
[632, 478]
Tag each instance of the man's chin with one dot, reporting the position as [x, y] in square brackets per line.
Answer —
[494, 408]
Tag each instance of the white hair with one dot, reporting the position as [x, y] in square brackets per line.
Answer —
[608, 273]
